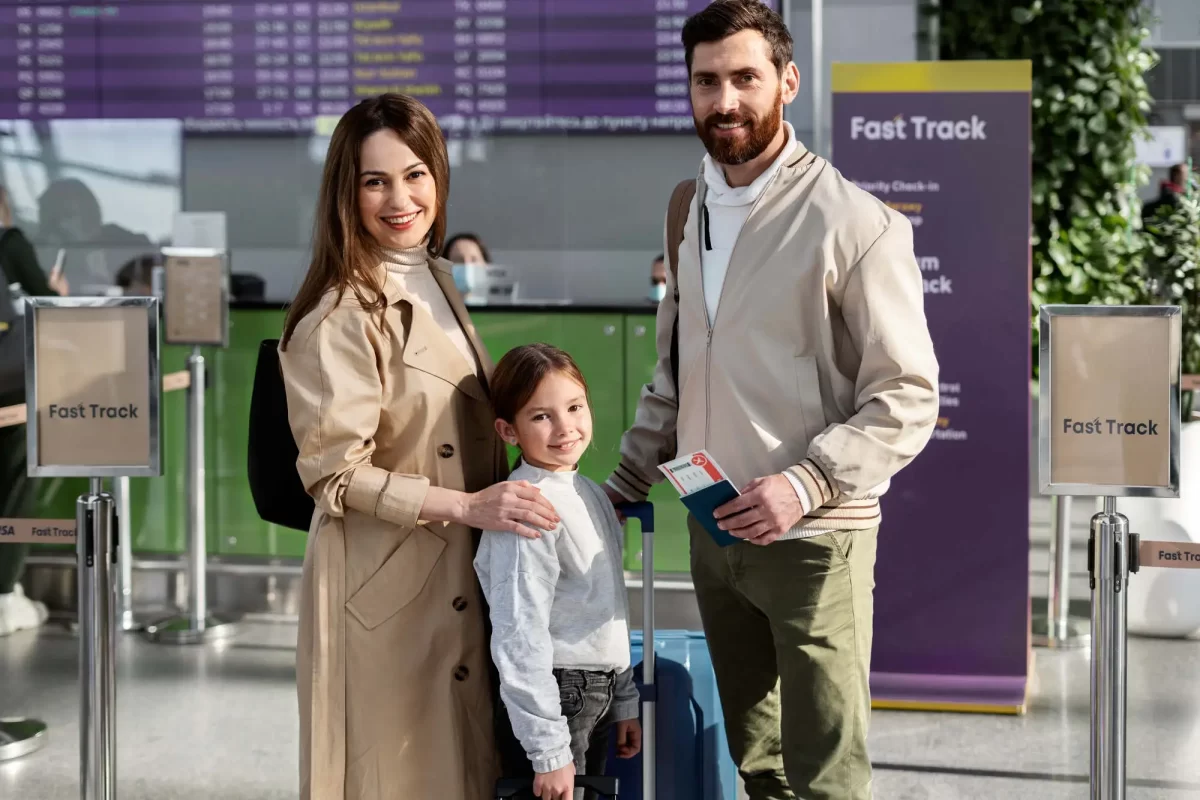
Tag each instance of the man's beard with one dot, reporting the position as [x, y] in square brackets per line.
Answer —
[734, 151]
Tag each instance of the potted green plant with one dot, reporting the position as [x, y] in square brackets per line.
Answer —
[1167, 602]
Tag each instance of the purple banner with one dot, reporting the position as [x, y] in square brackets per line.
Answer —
[952, 596]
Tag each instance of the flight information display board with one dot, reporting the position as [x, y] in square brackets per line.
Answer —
[246, 65]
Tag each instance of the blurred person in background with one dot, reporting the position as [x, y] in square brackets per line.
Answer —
[21, 269]
[466, 248]
[658, 278]
[136, 276]
[1169, 191]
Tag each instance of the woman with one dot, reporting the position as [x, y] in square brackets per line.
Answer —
[466, 248]
[387, 397]
[19, 265]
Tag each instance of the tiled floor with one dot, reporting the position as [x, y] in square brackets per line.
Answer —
[200, 723]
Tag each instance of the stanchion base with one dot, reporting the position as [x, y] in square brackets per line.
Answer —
[1079, 634]
[20, 737]
[180, 630]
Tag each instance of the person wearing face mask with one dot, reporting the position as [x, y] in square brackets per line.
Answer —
[387, 393]
[802, 362]
[466, 248]
[658, 278]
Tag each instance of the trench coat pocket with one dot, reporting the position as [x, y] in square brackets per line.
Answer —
[398, 582]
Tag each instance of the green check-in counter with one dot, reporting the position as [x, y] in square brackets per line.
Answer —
[614, 346]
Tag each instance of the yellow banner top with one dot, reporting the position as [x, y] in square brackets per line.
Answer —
[934, 76]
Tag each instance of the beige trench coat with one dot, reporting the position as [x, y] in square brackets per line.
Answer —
[392, 663]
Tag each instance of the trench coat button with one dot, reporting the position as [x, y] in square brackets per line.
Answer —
[445, 450]
[461, 673]
[460, 604]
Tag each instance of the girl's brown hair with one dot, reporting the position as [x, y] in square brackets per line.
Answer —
[344, 254]
[522, 370]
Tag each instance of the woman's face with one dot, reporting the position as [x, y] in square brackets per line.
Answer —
[467, 251]
[397, 197]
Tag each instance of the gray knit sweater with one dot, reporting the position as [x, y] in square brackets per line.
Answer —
[557, 602]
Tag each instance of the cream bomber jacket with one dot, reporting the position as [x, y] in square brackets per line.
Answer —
[818, 362]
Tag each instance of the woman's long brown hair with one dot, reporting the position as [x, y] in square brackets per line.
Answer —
[345, 256]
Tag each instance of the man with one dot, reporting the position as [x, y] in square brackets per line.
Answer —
[806, 370]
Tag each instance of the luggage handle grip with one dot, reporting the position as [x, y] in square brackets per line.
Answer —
[515, 788]
[643, 512]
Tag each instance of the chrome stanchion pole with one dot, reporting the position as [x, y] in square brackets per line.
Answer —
[198, 625]
[97, 653]
[1109, 575]
[649, 712]
[124, 555]
[1058, 628]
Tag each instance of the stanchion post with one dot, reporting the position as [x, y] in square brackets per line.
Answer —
[106, 372]
[124, 555]
[1095, 441]
[1058, 629]
[97, 653]
[197, 625]
[1109, 575]
[197, 530]
[196, 299]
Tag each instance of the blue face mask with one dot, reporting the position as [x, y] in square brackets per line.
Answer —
[460, 276]
[658, 291]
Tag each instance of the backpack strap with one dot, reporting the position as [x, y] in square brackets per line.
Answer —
[677, 214]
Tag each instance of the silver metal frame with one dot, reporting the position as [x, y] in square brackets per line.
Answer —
[199, 252]
[1045, 405]
[154, 396]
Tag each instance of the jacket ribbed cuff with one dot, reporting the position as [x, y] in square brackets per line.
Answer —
[816, 483]
[556, 761]
[629, 484]
[626, 709]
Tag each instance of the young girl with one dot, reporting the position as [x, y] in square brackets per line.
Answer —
[560, 636]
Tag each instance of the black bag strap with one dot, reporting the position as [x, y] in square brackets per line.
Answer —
[677, 214]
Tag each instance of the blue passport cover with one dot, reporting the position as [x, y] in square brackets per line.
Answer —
[703, 503]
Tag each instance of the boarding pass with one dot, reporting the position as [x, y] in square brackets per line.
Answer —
[693, 472]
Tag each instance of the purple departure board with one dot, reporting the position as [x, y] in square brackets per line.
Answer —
[490, 66]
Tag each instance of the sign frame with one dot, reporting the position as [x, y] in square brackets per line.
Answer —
[153, 402]
[169, 253]
[1046, 315]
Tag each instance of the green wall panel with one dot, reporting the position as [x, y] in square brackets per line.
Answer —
[671, 549]
[235, 528]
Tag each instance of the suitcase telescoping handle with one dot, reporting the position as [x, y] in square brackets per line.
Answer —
[522, 788]
[644, 512]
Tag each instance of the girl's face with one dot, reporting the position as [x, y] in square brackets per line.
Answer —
[555, 426]
[397, 196]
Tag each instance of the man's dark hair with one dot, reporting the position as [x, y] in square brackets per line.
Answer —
[1179, 174]
[724, 18]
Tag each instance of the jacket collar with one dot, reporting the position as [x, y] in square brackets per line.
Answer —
[797, 164]
[428, 348]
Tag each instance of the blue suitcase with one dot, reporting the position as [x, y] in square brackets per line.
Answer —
[690, 747]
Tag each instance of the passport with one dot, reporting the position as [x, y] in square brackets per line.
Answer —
[703, 502]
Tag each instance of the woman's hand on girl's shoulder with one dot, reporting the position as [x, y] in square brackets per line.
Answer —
[513, 506]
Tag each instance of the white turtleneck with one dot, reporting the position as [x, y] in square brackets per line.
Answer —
[409, 270]
[728, 209]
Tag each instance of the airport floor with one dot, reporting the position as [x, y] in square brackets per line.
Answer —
[196, 723]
